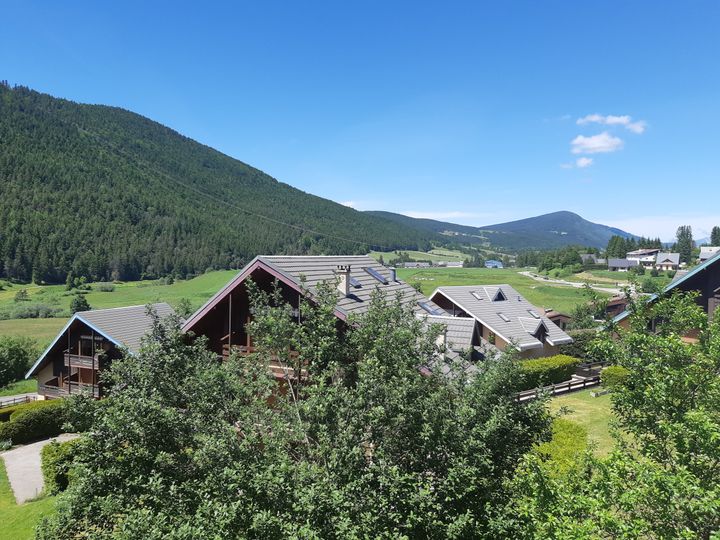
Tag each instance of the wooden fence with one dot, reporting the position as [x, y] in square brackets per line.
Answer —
[17, 400]
[572, 385]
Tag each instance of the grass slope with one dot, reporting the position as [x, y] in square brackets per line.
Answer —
[17, 522]
[19, 387]
[540, 294]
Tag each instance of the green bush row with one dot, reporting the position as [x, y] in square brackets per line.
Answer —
[33, 421]
[549, 370]
[7, 412]
[57, 460]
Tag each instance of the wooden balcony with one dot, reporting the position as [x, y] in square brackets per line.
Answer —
[80, 361]
[51, 390]
[277, 368]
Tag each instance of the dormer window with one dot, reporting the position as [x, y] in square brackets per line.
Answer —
[499, 296]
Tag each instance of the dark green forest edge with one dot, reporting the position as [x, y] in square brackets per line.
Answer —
[108, 194]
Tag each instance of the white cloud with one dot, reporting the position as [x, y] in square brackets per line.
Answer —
[351, 204]
[596, 144]
[614, 120]
[583, 162]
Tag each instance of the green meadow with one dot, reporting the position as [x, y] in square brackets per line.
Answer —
[543, 295]
[17, 521]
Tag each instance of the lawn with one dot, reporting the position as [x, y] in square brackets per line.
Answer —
[540, 294]
[592, 413]
[434, 255]
[606, 277]
[19, 387]
[17, 522]
[41, 330]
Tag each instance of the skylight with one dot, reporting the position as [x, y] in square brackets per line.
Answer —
[476, 295]
[533, 313]
[377, 275]
[354, 282]
[430, 309]
[504, 317]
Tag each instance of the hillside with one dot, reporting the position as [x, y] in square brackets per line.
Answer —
[108, 194]
[548, 231]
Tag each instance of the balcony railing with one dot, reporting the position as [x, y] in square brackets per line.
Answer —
[81, 361]
[54, 391]
[277, 368]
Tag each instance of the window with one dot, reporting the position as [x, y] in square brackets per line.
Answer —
[504, 317]
[476, 295]
[354, 283]
[533, 313]
[499, 296]
[377, 275]
[430, 309]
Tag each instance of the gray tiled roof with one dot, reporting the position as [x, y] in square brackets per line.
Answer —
[125, 325]
[665, 258]
[322, 268]
[459, 331]
[622, 263]
[707, 252]
[478, 302]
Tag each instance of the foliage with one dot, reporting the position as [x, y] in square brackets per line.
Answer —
[594, 308]
[56, 460]
[539, 372]
[22, 296]
[618, 246]
[684, 244]
[64, 161]
[569, 442]
[715, 236]
[29, 310]
[105, 287]
[662, 481]
[614, 376]
[373, 435]
[650, 286]
[16, 355]
[79, 303]
[34, 421]
[580, 347]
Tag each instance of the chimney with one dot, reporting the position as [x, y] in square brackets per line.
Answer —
[393, 274]
[343, 274]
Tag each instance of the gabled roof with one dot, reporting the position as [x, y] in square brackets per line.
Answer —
[642, 252]
[622, 263]
[715, 259]
[123, 326]
[322, 268]
[708, 251]
[458, 330]
[514, 319]
[668, 258]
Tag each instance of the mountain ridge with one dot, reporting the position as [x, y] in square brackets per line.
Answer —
[546, 231]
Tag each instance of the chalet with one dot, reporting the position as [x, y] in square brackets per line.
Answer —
[667, 261]
[561, 320]
[504, 318]
[644, 257]
[224, 318]
[621, 265]
[704, 278]
[707, 252]
[87, 344]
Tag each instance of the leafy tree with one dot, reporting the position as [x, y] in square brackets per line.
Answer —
[662, 481]
[16, 355]
[715, 236]
[587, 313]
[79, 303]
[374, 434]
[684, 244]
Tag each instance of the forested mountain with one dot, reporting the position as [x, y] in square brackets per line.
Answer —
[108, 194]
[548, 231]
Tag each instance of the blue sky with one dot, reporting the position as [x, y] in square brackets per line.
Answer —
[475, 112]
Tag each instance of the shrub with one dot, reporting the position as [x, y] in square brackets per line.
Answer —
[580, 347]
[569, 441]
[105, 287]
[22, 296]
[34, 421]
[16, 355]
[654, 272]
[612, 376]
[549, 370]
[649, 286]
[29, 311]
[57, 460]
[79, 303]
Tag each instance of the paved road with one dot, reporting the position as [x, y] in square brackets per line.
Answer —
[9, 399]
[575, 284]
[23, 468]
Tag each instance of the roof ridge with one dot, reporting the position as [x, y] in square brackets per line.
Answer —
[122, 307]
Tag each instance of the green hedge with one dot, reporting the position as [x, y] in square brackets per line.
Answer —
[57, 459]
[549, 370]
[7, 412]
[33, 421]
[613, 376]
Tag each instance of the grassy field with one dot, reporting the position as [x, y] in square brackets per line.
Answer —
[542, 295]
[434, 255]
[17, 522]
[607, 278]
[592, 413]
[19, 387]
[41, 330]
[196, 290]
